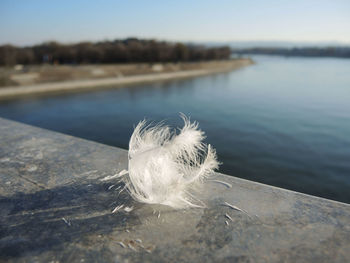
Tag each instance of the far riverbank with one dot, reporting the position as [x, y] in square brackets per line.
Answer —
[52, 79]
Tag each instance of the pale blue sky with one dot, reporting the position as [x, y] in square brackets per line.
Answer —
[24, 22]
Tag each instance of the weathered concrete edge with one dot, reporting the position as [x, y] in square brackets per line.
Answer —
[303, 195]
[11, 92]
[217, 174]
[54, 207]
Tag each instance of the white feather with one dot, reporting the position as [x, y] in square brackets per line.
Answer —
[165, 167]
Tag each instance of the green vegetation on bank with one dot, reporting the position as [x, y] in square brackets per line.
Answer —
[129, 50]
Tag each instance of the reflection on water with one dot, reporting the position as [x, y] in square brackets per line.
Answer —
[284, 122]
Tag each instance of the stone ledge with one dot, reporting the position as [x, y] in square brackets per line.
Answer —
[53, 207]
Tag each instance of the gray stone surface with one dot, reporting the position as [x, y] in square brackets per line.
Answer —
[54, 208]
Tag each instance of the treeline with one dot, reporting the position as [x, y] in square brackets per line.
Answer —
[118, 51]
[341, 52]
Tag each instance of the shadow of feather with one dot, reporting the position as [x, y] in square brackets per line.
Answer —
[46, 220]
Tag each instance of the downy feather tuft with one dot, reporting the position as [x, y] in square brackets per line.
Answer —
[165, 167]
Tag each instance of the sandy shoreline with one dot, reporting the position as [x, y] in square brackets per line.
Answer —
[77, 85]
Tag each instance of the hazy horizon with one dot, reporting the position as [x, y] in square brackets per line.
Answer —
[232, 43]
[34, 22]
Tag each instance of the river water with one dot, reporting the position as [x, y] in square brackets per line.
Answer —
[283, 121]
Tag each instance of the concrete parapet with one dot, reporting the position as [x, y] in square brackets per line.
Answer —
[55, 208]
